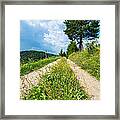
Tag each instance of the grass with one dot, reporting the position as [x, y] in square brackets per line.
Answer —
[28, 67]
[59, 84]
[88, 62]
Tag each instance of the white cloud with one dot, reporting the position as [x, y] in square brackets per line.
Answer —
[55, 36]
[31, 23]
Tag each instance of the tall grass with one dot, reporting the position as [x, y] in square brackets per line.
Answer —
[28, 67]
[88, 62]
[59, 84]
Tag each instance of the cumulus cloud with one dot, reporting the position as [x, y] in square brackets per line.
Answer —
[31, 23]
[55, 38]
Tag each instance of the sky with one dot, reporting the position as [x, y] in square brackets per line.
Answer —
[44, 35]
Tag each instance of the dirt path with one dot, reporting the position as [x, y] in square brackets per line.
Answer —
[87, 82]
[33, 78]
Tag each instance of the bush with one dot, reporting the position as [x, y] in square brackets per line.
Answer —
[92, 47]
[72, 47]
[28, 67]
[59, 84]
[33, 56]
[88, 62]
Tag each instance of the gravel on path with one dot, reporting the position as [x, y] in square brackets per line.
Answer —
[33, 78]
[87, 82]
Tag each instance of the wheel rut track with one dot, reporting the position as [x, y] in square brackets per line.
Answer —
[87, 82]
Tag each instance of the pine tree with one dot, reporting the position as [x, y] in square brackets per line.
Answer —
[64, 54]
[61, 52]
[72, 47]
[79, 30]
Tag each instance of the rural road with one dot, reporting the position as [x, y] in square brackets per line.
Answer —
[33, 78]
[87, 82]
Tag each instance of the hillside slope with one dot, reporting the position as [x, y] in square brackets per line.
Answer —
[87, 82]
[88, 62]
[32, 56]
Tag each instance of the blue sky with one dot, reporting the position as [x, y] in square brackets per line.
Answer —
[45, 35]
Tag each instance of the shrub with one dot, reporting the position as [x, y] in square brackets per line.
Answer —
[28, 67]
[59, 84]
[88, 62]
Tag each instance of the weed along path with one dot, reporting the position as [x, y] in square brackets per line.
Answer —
[87, 82]
[33, 78]
[59, 81]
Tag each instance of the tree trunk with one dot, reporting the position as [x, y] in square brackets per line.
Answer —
[80, 44]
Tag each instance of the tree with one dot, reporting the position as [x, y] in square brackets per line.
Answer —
[46, 55]
[64, 54]
[79, 30]
[92, 47]
[72, 47]
[61, 52]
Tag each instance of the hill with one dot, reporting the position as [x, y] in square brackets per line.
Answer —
[32, 56]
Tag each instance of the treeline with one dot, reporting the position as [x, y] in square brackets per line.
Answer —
[79, 31]
[32, 56]
[91, 47]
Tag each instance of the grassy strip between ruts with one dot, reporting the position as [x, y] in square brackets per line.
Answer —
[59, 84]
[28, 67]
[88, 62]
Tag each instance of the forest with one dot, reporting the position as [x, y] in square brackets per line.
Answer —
[32, 56]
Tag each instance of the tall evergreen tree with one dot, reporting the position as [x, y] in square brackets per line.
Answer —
[64, 54]
[79, 30]
[61, 52]
[72, 47]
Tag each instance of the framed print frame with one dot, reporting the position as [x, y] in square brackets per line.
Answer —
[4, 64]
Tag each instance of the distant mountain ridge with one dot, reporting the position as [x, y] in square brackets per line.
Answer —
[33, 55]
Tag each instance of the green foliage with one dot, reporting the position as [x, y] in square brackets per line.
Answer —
[28, 67]
[72, 47]
[92, 47]
[88, 62]
[79, 30]
[33, 56]
[62, 54]
[59, 84]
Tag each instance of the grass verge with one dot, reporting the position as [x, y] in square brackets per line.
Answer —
[88, 62]
[59, 84]
[28, 67]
